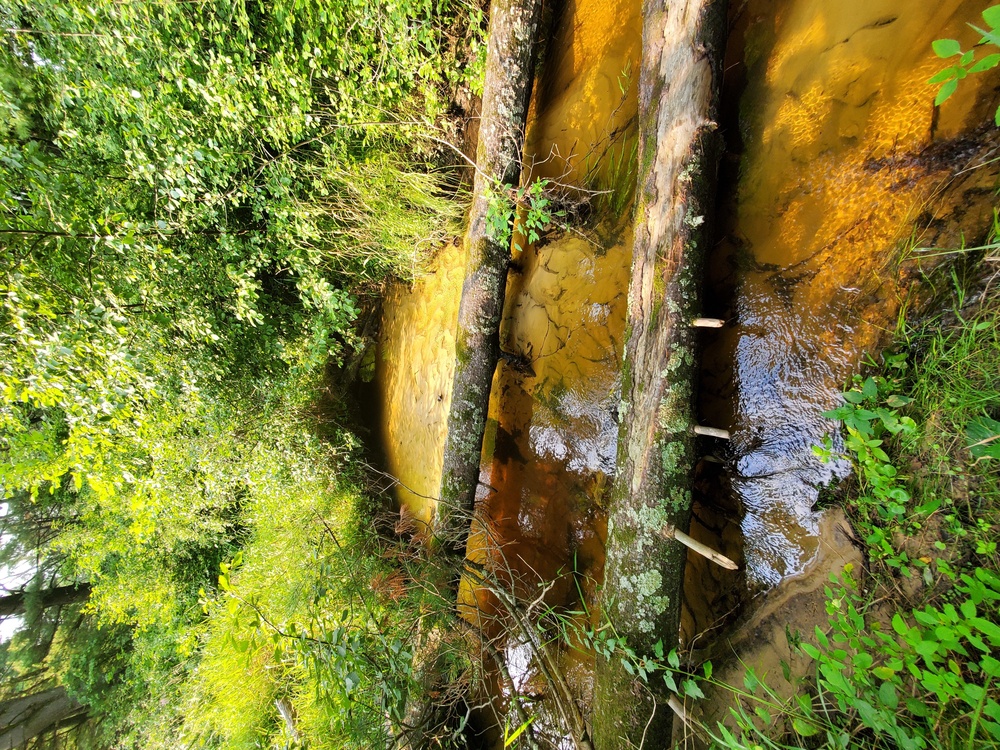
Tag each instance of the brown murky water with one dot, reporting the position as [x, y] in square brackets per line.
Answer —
[840, 154]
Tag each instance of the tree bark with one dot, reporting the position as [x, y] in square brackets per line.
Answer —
[14, 604]
[679, 147]
[510, 64]
[28, 716]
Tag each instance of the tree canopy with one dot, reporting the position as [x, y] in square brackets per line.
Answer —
[192, 195]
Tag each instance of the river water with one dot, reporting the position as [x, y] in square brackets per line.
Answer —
[836, 159]
[843, 158]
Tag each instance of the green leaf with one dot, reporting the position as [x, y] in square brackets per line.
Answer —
[351, 681]
[987, 63]
[946, 91]
[898, 625]
[973, 693]
[810, 650]
[992, 17]
[887, 695]
[870, 388]
[945, 75]
[990, 36]
[983, 435]
[670, 682]
[896, 401]
[946, 47]
[987, 628]
[804, 728]
[518, 732]
[917, 707]
[692, 690]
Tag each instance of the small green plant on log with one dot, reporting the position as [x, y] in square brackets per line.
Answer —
[525, 211]
[967, 61]
[607, 642]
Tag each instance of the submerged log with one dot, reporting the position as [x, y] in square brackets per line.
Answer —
[510, 67]
[682, 47]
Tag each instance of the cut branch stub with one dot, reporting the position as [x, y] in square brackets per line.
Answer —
[510, 64]
[711, 432]
[679, 146]
[702, 549]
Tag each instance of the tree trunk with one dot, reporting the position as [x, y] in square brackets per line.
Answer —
[683, 43]
[14, 604]
[28, 716]
[510, 67]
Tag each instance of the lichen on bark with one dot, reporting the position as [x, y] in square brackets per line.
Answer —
[678, 92]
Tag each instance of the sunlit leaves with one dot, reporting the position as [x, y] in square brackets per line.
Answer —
[187, 210]
[967, 64]
[946, 47]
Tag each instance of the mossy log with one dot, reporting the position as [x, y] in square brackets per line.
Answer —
[510, 67]
[679, 147]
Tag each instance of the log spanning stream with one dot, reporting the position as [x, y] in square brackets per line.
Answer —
[835, 158]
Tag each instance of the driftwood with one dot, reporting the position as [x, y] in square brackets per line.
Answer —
[679, 146]
[510, 67]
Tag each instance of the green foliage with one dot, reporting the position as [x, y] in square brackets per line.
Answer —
[968, 62]
[522, 213]
[926, 678]
[193, 196]
[882, 505]
[899, 675]
[606, 642]
[336, 637]
[982, 433]
[928, 681]
[184, 199]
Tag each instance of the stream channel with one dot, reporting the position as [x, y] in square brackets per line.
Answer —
[838, 170]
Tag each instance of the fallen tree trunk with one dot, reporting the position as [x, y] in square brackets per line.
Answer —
[678, 154]
[510, 67]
